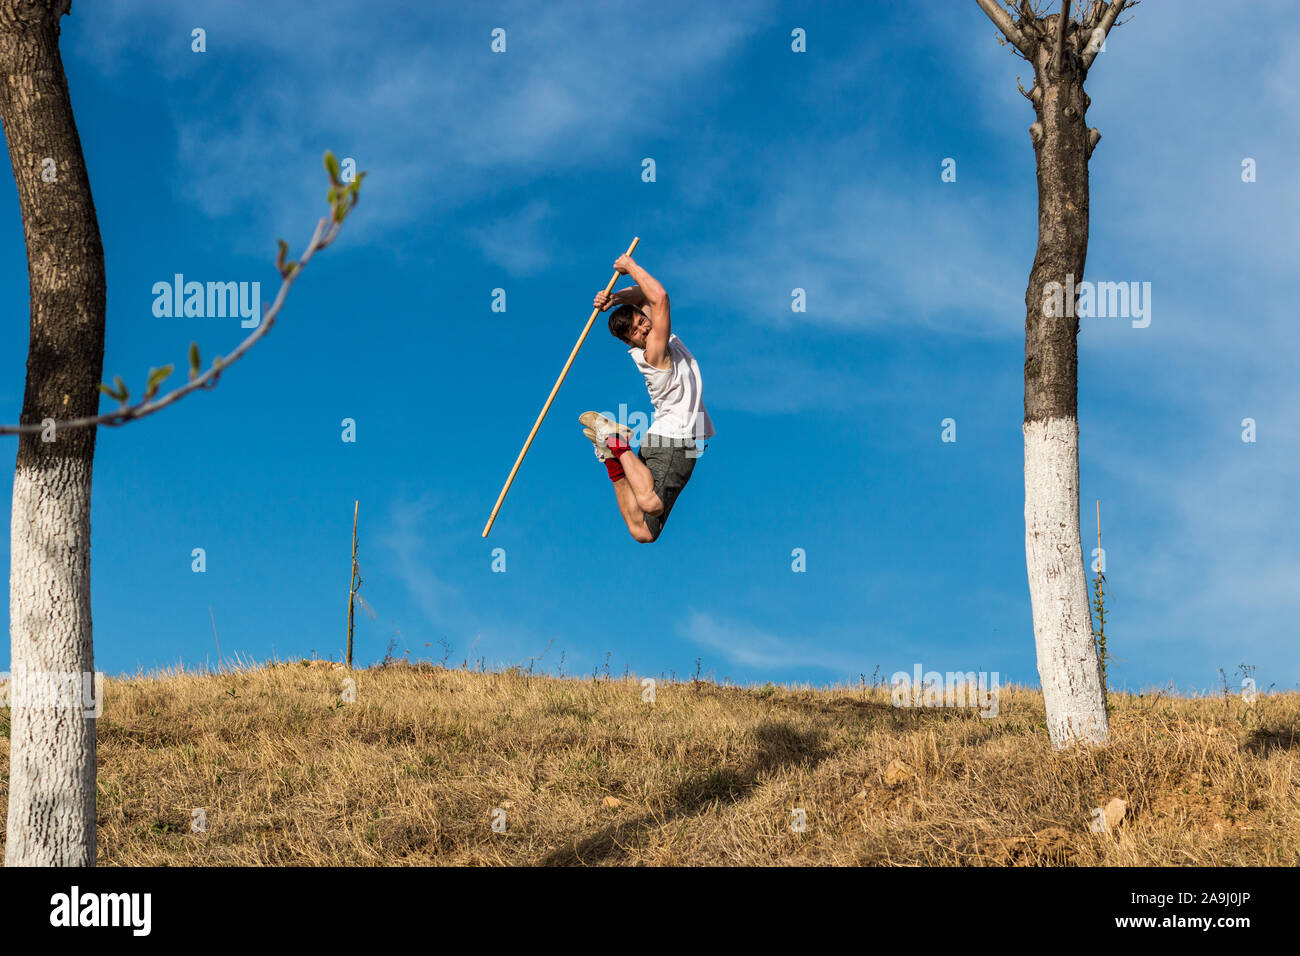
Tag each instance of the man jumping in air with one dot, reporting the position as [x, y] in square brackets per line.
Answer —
[647, 482]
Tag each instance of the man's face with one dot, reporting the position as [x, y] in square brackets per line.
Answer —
[636, 336]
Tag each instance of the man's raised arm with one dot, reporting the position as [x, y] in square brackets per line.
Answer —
[656, 298]
[632, 295]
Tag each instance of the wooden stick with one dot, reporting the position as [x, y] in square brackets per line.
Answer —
[214, 634]
[550, 398]
[352, 588]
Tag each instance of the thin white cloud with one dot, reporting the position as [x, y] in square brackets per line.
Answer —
[405, 540]
[518, 242]
[743, 645]
[441, 124]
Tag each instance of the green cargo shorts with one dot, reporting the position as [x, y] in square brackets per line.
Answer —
[671, 461]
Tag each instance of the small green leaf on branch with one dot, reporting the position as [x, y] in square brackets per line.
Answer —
[156, 377]
[112, 392]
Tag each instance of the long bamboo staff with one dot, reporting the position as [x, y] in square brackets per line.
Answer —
[550, 398]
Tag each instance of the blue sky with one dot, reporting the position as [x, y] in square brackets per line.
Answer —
[775, 170]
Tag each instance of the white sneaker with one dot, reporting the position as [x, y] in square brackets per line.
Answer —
[604, 427]
[602, 453]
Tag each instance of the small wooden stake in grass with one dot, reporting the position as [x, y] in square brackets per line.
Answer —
[352, 588]
[550, 398]
[214, 634]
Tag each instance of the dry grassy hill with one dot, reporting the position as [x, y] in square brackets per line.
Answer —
[584, 771]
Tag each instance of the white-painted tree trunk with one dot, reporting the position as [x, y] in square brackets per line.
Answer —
[51, 818]
[1058, 591]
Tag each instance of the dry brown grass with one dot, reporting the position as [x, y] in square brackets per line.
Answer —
[411, 772]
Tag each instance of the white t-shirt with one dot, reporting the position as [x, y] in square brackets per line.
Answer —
[677, 393]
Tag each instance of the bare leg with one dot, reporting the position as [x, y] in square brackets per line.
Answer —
[642, 483]
[631, 511]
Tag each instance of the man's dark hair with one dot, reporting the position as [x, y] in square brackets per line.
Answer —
[622, 319]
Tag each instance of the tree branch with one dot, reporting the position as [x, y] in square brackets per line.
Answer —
[1059, 53]
[342, 199]
[1002, 20]
[1107, 21]
[1034, 94]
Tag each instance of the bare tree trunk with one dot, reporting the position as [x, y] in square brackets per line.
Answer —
[51, 818]
[1061, 50]
[1058, 589]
